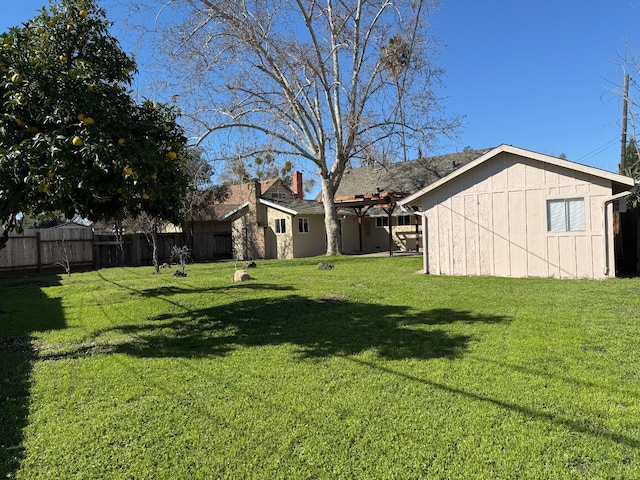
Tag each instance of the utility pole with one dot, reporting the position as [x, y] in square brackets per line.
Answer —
[625, 109]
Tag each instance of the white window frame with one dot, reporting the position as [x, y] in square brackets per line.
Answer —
[280, 226]
[303, 225]
[566, 215]
[382, 222]
[405, 222]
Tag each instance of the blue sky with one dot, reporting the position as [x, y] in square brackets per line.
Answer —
[540, 75]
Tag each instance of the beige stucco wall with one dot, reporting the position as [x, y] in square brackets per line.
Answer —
[349, 230]
[309, 244]
[248, 239]
[376, 239]
[492, 220]
[292, 243]
[373, 239]
[281, 244]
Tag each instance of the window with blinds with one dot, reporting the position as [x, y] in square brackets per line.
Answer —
[566, 215]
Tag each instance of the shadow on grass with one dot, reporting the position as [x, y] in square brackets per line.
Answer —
[567, 422]
[317, 328]
[174, 290]
[26, 309]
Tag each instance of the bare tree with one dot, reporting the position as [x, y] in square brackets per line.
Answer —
[182, 255]
[61, 255]
[322, 80]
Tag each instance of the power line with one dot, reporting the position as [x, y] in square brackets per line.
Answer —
[599, 150]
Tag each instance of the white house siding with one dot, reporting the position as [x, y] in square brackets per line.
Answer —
[492, 220]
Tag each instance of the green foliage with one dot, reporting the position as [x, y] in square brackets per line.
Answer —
[364, 371]
[71, 136]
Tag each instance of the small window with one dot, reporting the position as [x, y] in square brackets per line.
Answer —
[281, 225]
[303, 225]
[566, 215]
[382, 222]
[404, 220]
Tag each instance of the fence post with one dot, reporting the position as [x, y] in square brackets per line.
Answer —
[39, 255]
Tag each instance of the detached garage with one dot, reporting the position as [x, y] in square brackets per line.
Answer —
[517, 213]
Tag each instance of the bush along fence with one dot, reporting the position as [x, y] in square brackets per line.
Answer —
[78, 248]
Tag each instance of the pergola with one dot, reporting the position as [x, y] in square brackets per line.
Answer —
[361, 204]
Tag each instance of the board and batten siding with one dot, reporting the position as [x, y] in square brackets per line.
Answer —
[492, 220]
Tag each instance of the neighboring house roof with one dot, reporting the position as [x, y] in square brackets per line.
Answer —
[217, 211]
[240, 193]
[295, 206]
[620, 182]
[406, 177]
[238, 196]
[70, 224]
[234, 211]
[290, 206]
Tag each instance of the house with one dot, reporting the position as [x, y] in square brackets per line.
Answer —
[370, 220]
[270, 220]
[516, 213]
[238, 195]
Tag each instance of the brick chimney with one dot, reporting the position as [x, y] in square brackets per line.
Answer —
[296, 181]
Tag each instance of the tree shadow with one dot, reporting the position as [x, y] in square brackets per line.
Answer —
[26, 310]
[316, 327]
[566, 421]
[178, 290]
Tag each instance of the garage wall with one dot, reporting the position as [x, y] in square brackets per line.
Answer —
[492, 220]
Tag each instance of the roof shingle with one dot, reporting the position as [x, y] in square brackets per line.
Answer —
[406, 177]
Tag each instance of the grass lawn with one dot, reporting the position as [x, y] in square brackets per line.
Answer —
[363, 371]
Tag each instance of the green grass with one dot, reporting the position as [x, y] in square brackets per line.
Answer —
[364, 371]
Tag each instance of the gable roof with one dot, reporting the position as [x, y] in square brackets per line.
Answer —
[406, 177]
[620, 181]
[240, 193]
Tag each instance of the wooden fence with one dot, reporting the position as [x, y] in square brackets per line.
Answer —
[47, 249]
[136, 249]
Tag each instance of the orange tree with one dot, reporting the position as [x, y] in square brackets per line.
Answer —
[72, 138]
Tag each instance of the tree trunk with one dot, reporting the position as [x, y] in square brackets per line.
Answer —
[331, 222]
[154, 241]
